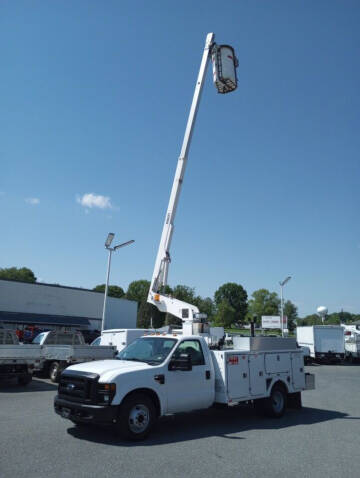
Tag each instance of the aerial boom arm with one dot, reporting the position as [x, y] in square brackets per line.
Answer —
[164, 303]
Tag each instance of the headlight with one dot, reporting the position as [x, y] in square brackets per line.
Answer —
[106, 392]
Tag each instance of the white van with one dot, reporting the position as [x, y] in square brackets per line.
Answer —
[120, 338]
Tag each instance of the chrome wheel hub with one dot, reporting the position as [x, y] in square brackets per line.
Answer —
[277, 401]
[139, 418]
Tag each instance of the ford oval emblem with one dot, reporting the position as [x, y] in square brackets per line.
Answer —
[70, 387]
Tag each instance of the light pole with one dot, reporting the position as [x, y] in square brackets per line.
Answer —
[108, 242]
[282, 303]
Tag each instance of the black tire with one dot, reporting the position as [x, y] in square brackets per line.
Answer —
[25, 379]
[136, 417]
[275, 405]
[294, 400]
[54, 372]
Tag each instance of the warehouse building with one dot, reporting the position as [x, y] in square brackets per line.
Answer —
[49, 306]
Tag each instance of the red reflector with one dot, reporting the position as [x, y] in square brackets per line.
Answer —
[233, 360]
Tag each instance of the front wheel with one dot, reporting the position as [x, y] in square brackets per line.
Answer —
[54, 372]
[136, 417]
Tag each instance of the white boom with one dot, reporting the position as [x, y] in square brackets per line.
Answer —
[186, 312]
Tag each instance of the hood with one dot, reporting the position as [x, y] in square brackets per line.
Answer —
[104, 366]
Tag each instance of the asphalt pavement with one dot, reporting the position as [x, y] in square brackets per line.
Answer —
[321, 439]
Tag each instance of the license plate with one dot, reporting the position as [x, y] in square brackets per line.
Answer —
[65, 412]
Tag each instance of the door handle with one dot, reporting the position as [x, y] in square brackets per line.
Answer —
[244, 375]
[207, 374]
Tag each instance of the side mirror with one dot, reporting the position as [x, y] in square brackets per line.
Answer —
[181, 362]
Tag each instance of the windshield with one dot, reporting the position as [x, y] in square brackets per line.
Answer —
[96, 341]
[151, 350]
[38, 338]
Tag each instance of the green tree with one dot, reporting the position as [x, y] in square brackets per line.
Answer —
[22, 274]
[149, 316]
[113, 290]
[206, 306]
[333, 319]
[138, 290]
[184, 293]
[312, 319]
[263, 302]
[290, 311]
[225, 316]
[236, 297]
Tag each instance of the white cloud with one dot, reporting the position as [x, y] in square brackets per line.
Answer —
[91, 200]
[32, 201]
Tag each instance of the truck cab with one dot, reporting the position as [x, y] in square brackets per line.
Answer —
[166, 373]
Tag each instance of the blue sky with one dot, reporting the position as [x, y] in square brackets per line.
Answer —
[95, 98]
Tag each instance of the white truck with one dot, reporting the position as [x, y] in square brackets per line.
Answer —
[352, 348]
[162, 374]
[18, 360]
[61, 349]
[324, 342]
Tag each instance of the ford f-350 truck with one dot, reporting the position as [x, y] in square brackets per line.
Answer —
[158, 375]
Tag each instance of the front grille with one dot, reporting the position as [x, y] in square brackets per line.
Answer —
[78, 386]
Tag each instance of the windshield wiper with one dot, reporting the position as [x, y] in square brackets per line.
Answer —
[132, 360]
[153, 362]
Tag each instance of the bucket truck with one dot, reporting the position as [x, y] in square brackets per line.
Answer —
[160, 374]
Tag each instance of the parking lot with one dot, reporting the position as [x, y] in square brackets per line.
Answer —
[319, 440]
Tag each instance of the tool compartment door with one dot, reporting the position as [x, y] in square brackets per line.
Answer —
[257, 374]
[277, 362]
[237, 375]
[298, 374]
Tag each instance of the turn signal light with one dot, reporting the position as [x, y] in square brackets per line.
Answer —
[157, 297]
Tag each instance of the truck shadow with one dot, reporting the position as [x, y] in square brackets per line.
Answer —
[229, 423]
[11, 386]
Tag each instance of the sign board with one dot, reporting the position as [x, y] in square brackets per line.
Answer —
[272, 322]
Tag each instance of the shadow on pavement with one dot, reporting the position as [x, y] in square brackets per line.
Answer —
[11, 386]
[208, 423]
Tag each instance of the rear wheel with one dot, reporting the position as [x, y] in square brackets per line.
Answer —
[54, 372]
[275, 405]
[136, 417]
[25, 379]
[294, 400]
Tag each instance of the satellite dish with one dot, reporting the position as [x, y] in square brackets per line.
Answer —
[322, 311]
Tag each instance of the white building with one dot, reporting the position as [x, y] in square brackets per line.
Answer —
[48, 305]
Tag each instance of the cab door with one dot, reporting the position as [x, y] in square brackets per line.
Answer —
[193, 389]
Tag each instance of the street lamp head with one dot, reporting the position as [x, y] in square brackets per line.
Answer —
[109, 239]
[285, 281]
[124, 244]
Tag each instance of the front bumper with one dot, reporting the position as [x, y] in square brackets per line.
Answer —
[329, 357]
[80, 412]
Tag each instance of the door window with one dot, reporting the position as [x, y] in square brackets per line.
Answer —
[192, 348]
[77, 340]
